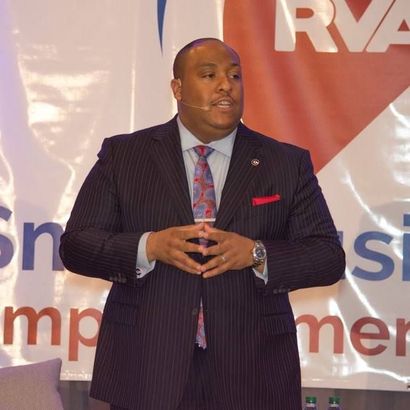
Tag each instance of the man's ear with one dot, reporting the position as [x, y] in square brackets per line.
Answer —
[176, 86]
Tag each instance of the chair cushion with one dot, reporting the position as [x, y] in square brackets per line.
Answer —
[31, 387]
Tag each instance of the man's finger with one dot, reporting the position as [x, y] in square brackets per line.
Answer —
[191, 231]
[217, 265]
[187, 264]
[216, 249]
[213, 234]
[214, 272]
[190, 247]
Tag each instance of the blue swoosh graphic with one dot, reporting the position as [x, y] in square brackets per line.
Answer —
[160, 17]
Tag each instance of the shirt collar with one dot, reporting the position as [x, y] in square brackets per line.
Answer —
[189, 141]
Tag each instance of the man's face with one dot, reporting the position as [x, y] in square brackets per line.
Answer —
[210, 78]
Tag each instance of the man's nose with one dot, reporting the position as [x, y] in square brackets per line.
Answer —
[225, 83]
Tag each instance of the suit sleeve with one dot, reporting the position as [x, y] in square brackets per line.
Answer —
[94, 243]
[310, 254]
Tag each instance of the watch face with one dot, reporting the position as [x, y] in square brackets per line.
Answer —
[260, 253]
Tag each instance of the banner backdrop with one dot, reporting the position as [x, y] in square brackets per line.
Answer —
[329, 75]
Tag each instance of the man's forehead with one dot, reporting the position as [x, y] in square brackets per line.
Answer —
[210, 64]
[212, 53]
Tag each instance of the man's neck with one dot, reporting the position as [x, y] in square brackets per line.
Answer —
[209, 137]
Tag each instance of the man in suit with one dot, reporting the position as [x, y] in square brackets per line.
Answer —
[198, 316]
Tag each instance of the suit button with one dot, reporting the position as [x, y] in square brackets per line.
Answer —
[194, 311]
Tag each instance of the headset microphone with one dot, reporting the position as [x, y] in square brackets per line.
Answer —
[206, 108]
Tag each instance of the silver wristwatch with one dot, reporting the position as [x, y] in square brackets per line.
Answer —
[258, 254]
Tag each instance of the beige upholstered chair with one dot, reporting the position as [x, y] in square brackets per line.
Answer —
[31, 387]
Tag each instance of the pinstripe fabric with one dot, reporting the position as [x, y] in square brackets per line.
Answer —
[251, 333]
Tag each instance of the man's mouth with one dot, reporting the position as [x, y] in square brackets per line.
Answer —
[223, 103]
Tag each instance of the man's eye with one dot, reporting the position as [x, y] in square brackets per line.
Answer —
[235, 76]
[208, 75]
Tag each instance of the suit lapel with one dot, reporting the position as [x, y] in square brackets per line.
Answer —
[242, 171]
[167, 155]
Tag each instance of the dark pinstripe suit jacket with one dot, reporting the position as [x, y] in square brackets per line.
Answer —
[147, 333]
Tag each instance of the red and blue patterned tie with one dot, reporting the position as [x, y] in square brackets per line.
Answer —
[203, 206]
[203, 196]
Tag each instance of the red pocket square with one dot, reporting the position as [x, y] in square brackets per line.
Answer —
[261, 200]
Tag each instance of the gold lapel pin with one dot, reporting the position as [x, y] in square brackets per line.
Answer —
[255, 162]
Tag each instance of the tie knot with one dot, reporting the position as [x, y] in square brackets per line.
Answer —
[203, 150]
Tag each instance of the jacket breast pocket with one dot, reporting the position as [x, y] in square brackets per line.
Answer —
[264, 221]
[121, 313]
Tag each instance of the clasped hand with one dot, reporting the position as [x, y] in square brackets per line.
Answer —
[172, 246]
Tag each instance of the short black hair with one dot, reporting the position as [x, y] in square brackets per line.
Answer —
[177, 67]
